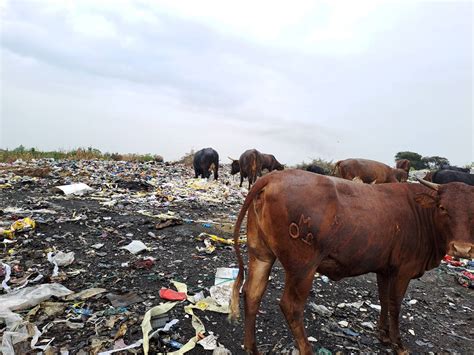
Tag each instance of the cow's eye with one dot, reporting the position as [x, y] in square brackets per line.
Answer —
[442, 209]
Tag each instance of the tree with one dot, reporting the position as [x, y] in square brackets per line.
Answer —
[415, 159]
[435, 162]
[19, 149]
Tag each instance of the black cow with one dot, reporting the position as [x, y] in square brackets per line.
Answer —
[313, 168]
[454, 168]
[249, 165]
[270, 163]
[446, 176]
[204, 161]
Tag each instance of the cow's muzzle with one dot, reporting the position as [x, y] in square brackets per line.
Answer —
[461, 250]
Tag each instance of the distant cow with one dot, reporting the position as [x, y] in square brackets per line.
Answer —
[270, 163]
[249, 165]
[454, 168]
[403, 164]
[204, 161]
[369, 171]
[313, 168]
[313, 223]
[446, 176]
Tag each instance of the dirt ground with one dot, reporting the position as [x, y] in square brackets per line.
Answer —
[437, 312]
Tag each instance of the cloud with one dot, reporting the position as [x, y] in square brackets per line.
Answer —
[335, 80]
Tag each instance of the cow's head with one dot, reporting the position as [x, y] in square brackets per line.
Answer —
[454, 217]
[279, 166]
[234, 166]
[401, 175]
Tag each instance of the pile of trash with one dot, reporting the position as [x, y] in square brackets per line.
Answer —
[462, 269]
[62, 228]
[103, 256]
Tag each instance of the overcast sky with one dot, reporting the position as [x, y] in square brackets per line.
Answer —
[300, 79]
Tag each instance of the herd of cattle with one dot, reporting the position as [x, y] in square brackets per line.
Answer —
[252, 163]
[339, 227]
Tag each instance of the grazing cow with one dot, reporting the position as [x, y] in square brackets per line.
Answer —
[403, 164]
[369, 171]
[313, 223]
[454, 168]
[204, 161]
[313, 168]
[249, 165]
[446, 176]
[270, 163]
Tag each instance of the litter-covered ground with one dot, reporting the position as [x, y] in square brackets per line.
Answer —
[86, 266]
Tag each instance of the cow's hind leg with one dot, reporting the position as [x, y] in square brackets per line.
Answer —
[383, 284]
[254, 288]
[292, 304]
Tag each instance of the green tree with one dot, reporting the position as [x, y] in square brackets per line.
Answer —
[19, 149]
[415, 159]
[435, 162]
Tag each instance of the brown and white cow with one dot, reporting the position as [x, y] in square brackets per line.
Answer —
[313, 223]
[369, 171]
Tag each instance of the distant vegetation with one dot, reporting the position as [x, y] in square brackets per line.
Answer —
[328, 166]
[187, 159]
[418, 162]
[90, 153]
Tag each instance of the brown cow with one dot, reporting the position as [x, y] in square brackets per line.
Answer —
[270, 163]
[249, 165]
[428, 176]
[403, 164]
[369, 171]
[338, 228]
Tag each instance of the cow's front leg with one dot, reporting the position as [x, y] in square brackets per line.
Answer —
[398, 287]
[383, 284]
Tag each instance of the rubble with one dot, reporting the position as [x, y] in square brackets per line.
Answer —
[144, 260]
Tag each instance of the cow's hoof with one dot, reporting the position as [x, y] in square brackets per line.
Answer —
[251, 350]
[384, 337]
[401, 350]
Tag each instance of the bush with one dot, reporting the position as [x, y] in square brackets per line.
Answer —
[90, 153]
[187, 159]
[328, 166]
[116, 157]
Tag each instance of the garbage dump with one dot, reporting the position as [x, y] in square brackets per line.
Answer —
[112, 256]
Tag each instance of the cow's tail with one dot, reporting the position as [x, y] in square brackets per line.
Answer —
[234, 301]
[254, 170]
[336, 171]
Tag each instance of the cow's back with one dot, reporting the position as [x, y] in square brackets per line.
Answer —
[446, 176]
[251, 162]
[368, 171]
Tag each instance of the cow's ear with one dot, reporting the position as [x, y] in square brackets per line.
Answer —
[426, 200]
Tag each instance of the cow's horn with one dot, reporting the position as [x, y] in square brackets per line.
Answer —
[429, 184]
[230, 158]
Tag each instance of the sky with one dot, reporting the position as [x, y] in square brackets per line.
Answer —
[303, 79]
